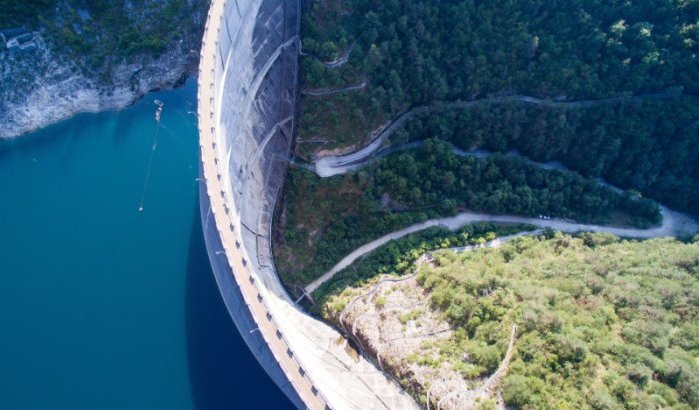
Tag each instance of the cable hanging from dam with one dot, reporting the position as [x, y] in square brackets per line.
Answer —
[158, 113]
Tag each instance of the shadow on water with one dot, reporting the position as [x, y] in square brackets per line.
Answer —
[222, 370]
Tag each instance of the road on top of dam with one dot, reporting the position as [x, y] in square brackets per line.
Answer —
[270, 332]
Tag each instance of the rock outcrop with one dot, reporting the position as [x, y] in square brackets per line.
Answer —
[51, 83]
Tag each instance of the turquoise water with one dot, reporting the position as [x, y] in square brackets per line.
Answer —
[103, 306]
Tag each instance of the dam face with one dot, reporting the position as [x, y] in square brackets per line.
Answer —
[257, 48]
[246, 103]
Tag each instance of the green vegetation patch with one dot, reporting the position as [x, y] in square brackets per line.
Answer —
[434, 176]
[319, 221]
[123, 29]
[603, 323]
[651, 146]
[420, 52]
[323, 219]
[23, 13]
[398, 256]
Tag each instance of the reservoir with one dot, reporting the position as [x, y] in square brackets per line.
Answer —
[103, 306]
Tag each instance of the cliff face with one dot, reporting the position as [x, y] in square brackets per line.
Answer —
[64, 76]
[394, 323]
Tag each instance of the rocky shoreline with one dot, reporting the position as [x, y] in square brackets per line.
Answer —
[42, 87]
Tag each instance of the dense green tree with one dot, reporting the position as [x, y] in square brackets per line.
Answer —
[321, 220]
[419, 52]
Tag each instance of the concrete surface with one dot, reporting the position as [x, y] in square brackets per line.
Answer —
[247, 90]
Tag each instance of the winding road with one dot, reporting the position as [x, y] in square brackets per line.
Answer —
[674, 224]
[331, 165]
[479, 153]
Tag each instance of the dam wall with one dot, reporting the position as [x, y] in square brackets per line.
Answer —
[236, 305]
[246, 102]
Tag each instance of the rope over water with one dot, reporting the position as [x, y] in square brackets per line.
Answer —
[158, 112]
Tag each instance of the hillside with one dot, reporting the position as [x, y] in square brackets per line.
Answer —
[320, 220]
[92, 56]
[594, 322]
[622, 77]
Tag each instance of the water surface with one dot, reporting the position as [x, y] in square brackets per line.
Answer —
[103, 306]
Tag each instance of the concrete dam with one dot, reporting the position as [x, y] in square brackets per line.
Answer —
[246, 109]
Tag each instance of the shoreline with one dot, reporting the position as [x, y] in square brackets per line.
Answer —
[94, 103]
[44, 87]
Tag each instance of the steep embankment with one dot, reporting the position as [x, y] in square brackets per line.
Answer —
[95, 58]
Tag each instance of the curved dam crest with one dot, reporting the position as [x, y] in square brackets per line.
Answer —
[247, 92]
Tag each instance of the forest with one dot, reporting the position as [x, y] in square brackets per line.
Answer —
[603, 323]
[501, 184]
[320, 220]
[666, 169]
[412, 53]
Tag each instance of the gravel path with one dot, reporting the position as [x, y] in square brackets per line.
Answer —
[674, 224]
[344, 168]
[332, 165]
